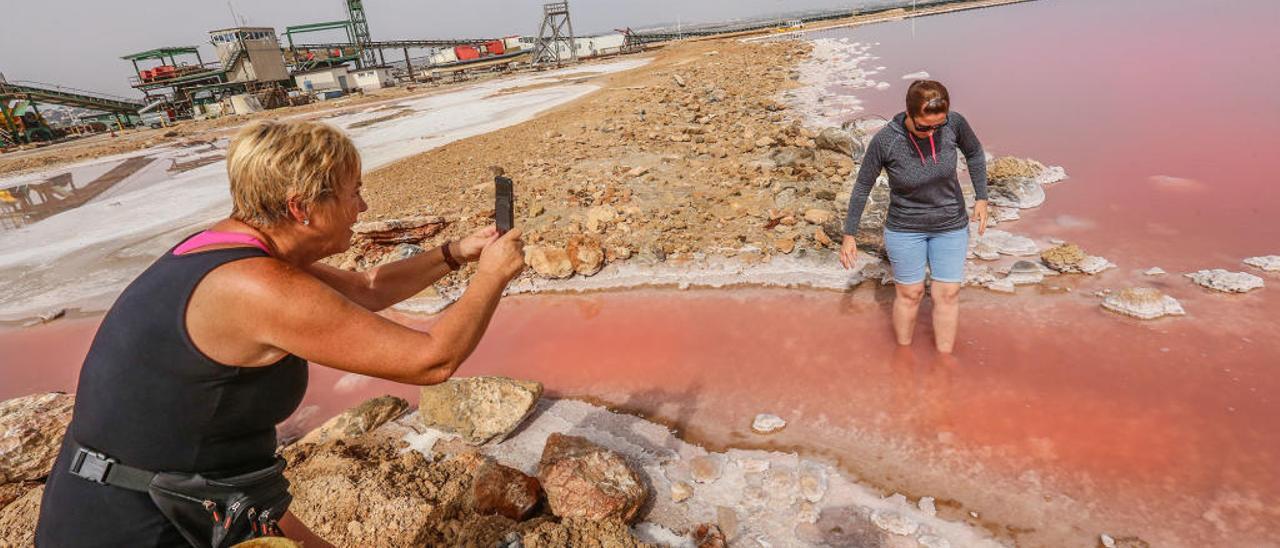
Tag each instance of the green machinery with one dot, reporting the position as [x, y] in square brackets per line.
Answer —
[20, 119]
[356, 48]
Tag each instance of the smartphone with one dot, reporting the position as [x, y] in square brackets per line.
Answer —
[504, 204]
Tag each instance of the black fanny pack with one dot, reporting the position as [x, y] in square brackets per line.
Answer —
[209, 512]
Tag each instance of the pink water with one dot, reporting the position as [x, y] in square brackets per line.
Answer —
[1057, 421]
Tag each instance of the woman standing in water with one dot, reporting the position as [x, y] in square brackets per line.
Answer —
[927, 222]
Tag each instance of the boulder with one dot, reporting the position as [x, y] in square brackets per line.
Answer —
[504, 491]
[1226, 282]
[359, 420]
[548, 261]
[586, 255]
[18, 518]
[790, 156]
[838, 140]
[31, 430]
[480, 409]
[1009, 167]
[585, 480]
[1269, 263]
[1144, 303]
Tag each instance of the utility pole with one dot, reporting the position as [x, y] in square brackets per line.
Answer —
[556, 32]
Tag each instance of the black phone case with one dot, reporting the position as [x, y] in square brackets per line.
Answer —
[504, 203]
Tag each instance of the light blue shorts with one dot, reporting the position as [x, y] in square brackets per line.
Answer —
[943, 252]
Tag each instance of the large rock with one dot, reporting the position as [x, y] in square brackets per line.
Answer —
[359, 419]
[504, 491]
[1269, 263]
[1226, 282]
[18, 518]
[548, 261]
[398, 231]
[791, 156]
[838, 140]
[1069, 258]
[586, 255]
[480, 409]
[1025, 273]
[585, 480]
[31, 430]
[1142, 302]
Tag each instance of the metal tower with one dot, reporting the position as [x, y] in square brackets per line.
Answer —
[555, 35]
[360, 33]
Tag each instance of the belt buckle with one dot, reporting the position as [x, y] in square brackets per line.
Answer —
[91, 465]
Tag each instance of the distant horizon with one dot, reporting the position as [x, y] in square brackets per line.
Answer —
[108, 32]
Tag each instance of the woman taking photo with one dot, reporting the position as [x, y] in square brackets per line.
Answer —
[927, 223]
[173, 436]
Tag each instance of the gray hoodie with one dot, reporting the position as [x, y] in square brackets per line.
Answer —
[925, 192]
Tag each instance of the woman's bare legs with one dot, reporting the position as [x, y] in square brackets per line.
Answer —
[946, 314]
[906, 306]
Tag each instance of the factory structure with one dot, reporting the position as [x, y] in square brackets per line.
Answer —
[257, 68]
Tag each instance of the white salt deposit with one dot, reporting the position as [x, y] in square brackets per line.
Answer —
[83, 257]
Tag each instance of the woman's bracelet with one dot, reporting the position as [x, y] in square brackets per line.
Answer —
[448, 256]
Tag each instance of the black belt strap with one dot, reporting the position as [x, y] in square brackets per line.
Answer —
[99, 468]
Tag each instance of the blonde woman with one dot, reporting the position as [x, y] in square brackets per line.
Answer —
[173, 436]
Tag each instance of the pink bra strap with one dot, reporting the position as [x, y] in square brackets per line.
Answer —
[210, 237]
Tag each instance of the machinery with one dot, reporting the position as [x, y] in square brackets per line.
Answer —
[21, 123]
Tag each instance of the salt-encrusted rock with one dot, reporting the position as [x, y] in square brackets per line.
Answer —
[706, 468]
[1155, 271]
[1142, 302]
[31, 429]
[586, 255]
[837, 140]
[358, 420]
[1011, 167]
[894, 522]
[1069, 258]
[927, 506]
[480, 409]
[18, 519]
[1007, 244]
[933, 541]
[766, 423]
[681, 491]
[1269, 263]
[985, 250]
[1227, 282]
[999, 214]
[504, 491]
[813, 482]
[1107, 540]
[548, 261]
[1063, 258]
[1025, 273]
[585, 480]
[977, 274]
[1001, 286]
[1020, 193]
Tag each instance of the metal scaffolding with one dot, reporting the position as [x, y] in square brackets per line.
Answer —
[556, 33]
[360, 32]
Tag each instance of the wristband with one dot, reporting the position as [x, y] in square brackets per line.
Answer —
[448, 256]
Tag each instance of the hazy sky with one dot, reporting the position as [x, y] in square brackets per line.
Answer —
[78, 43]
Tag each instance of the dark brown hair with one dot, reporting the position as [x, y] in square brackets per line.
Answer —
[927, 97]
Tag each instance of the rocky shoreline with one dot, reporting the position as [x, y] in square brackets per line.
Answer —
[488, 461]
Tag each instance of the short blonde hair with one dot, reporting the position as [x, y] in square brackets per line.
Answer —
[270, 162]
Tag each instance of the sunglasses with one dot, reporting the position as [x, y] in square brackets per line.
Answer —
[925, 129]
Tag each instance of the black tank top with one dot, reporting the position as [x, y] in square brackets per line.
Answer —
[149, 398]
